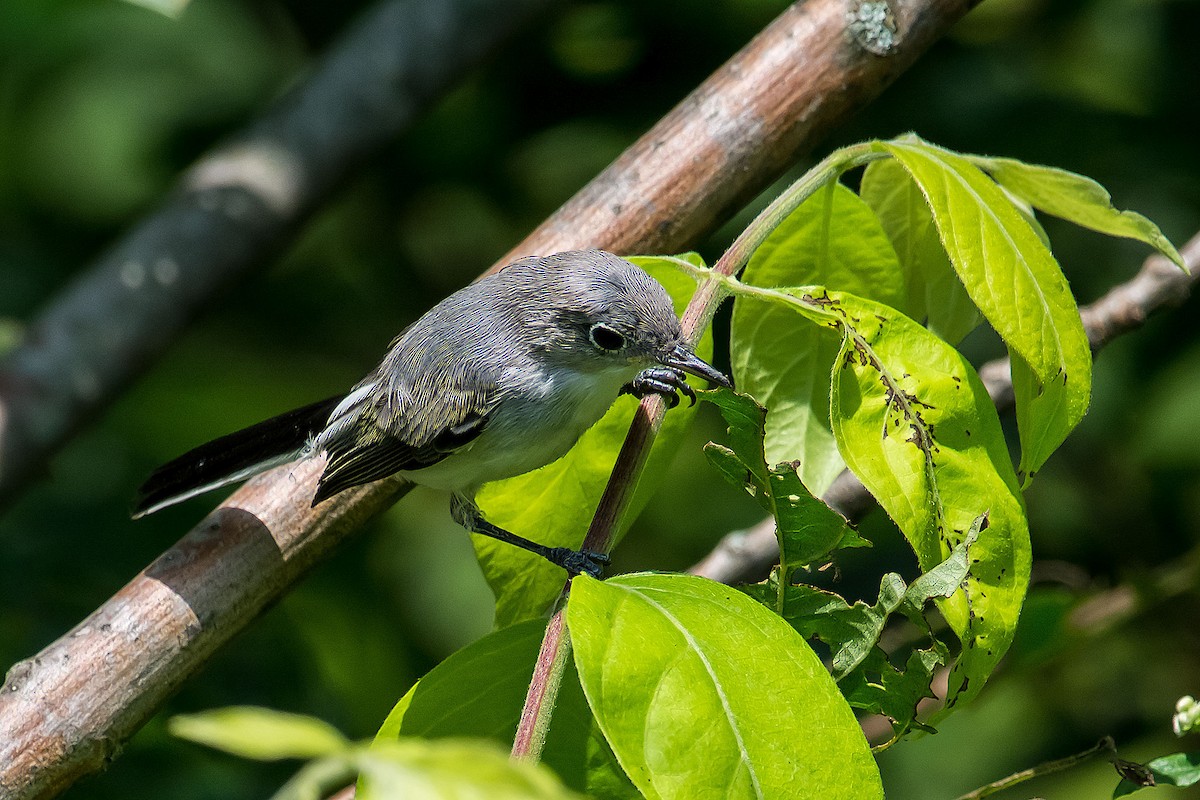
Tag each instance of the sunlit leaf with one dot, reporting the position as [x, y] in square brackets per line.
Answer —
[1075, 198]
[259, 733]
[703, 693]
[1017, 284]
[935, 293]
[915, 424]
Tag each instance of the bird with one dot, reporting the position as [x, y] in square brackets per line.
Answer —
[496, 380]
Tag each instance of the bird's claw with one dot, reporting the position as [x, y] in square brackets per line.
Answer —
[661, 381]
[579, 562]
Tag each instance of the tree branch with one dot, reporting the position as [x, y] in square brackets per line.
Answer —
[230, 213]
[747, 556]
[65, 712]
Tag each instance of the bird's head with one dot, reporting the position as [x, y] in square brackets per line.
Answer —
[601, 313]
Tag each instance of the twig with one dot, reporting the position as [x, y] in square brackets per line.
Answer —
[230, 213]
[1105, 746]
[747, 556]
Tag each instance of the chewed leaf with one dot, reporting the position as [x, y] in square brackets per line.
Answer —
[916, 425]
[832, 239]
[1017, 284]
[702, 692]
[808, 530]
[1077, 199]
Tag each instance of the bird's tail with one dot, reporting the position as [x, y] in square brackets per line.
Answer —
[234, 457]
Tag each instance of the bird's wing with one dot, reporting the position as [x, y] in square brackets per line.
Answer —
[419, 434]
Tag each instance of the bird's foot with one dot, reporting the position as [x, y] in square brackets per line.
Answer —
[663, 381]
[578, 562]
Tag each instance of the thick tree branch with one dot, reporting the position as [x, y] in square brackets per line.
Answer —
[64, 712]
[747, 556]
[231, 212]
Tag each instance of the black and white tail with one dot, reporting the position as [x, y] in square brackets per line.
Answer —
[234, 457]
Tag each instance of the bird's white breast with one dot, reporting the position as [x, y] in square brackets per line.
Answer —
[542, 414]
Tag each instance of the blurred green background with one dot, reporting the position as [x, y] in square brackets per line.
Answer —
[103, 103]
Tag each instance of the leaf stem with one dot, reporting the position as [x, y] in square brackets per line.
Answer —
[714, 286]
[547, 677]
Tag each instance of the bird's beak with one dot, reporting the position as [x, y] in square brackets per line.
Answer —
[685, 360]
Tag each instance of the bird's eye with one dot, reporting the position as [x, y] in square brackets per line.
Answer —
[606, 338]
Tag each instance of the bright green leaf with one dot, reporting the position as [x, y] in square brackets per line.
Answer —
[833, 239]
[934, 292]
[1075, 198]
[808, 530]
[259, 733]
[1017, 284]
[916, 425]
[703, 693]
[554, 505]
[478, 692]
[452, 770]
[851, 631]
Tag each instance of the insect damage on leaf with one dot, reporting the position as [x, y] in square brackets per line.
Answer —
[905, 403]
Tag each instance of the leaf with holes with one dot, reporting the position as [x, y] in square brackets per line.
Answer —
[915, 424]
[703, 693]
[808, 530]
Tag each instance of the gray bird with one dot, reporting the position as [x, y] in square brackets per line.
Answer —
[498, 379]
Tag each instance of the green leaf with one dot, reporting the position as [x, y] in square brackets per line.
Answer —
[1075, 198]
[934, 292]
[703, 693]
[452, 770]
[832, 239]
[168, 8]
[895, 384]
[851, 631]
[1177, 769]
[807, 529]
[916, 425]
[1017, 284]
[554, 505]
[259, 733]
[478, 692]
